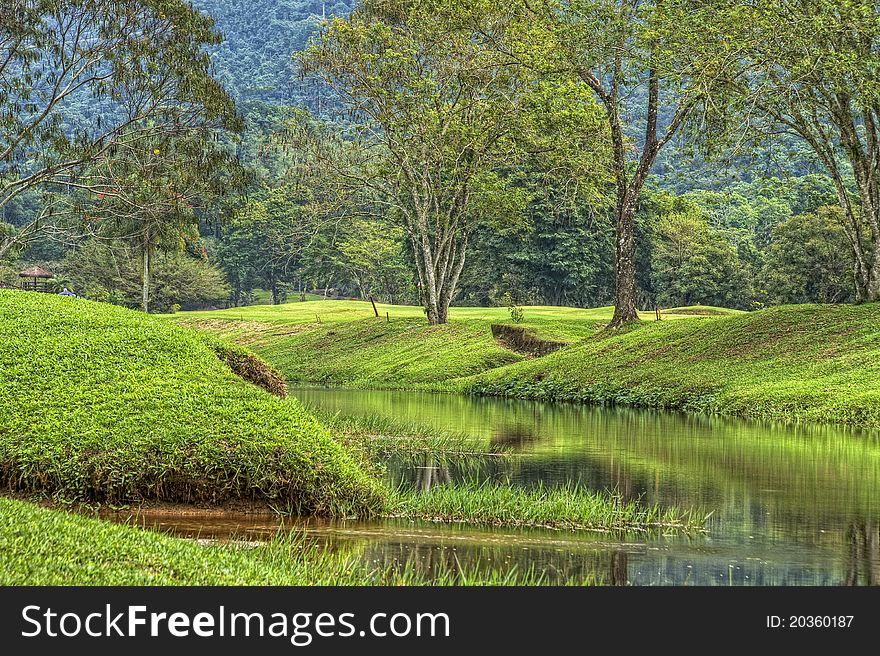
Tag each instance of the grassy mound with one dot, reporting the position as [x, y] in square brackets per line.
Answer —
[813, 362]
[104, 404]
[48, 547]
[372, 352]
[344, 343]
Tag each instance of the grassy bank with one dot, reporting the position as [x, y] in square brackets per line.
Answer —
[48, 547]
[806, 362]
[109, 405]
[99, 403]
[344, 343]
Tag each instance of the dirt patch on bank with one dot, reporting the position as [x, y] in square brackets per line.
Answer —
[523, 341]
[253, 369]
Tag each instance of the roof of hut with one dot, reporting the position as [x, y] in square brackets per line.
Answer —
[35, 272]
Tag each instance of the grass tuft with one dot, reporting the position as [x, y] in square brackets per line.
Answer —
[563, 507]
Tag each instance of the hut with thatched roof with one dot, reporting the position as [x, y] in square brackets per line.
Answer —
[35, 279]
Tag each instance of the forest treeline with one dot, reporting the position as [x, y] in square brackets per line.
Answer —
[582, 153]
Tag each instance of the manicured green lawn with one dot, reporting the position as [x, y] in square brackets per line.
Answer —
[343, 343]
[811, 362]
[104, 404]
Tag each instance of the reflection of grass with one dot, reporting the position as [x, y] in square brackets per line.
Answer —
[375, 433]
[47, 547]
[566, 507]
[810, 468]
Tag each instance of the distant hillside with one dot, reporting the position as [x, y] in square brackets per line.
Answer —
[254, 61]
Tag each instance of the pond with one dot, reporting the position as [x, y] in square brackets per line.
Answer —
[790, 504]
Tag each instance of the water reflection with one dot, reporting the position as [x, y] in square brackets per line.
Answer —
[432, 471]
[863, 566]
[512, 437]
[791, 505]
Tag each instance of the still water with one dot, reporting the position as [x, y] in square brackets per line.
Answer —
[790, 504]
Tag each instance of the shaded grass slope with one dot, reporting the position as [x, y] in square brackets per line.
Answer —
[370, 352]
[103, 404]
[811, 362]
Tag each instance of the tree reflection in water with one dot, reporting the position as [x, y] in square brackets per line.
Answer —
[512, 438]
[863, 562]
[619, 567]
[431, 473]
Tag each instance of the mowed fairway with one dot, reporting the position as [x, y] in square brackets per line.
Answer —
[802, 362]
[815, 362]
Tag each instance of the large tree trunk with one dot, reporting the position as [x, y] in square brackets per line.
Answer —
[830, 136]
[871, 282]
[439, 263]
[145, 290]
[625, 267]
[629, 188]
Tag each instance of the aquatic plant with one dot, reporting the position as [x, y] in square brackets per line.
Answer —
[561, 507]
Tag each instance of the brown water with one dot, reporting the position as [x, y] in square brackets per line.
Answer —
[791, 505]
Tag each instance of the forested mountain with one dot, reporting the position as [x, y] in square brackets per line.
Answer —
[740, 228]
[255, 62]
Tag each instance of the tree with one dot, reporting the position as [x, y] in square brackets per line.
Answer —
[372, 255]
[110, 271]
[810, 70]
[560, 254]
[809, 260]
[150, 194]
[264, 241]
[81, 79]
[693, 264]
[620, 48]
[437, 112]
